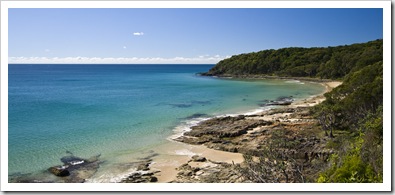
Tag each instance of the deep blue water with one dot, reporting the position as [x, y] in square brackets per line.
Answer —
[117, 109]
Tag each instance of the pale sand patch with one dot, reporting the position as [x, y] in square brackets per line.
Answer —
[174, 154]
[333, 84]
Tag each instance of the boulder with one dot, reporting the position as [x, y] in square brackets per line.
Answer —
[59, 171]
[197, 158]
[153, 179]
[143, 167]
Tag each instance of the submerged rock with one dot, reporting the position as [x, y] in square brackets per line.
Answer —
[59, 171]
[196, 115]
[76, 169]
[73, 170]
[281, 101]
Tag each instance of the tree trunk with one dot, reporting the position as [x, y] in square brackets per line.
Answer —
[331, 134]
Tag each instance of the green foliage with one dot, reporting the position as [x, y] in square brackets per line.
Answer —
[330, 62]
[360, 94]
[351, 168]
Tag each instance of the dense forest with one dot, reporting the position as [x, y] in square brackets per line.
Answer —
[351, 115]
[329, 62]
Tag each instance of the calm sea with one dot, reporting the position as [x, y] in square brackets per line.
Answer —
[115, 110]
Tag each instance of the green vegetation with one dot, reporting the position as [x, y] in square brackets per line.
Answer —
[330, 62]
[351, 115]
[356, 106]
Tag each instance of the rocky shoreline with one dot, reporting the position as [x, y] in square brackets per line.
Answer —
[302, 143]
[250, 134]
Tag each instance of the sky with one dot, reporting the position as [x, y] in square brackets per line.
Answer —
[185, 36]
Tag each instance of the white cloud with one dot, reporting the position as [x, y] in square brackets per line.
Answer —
[132, 60]
[124, 47]
[138, 33]
[47, 50]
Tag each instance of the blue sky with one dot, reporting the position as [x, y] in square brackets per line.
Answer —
[179, 35]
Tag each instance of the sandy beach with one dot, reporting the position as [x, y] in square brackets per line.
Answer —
[175, 154]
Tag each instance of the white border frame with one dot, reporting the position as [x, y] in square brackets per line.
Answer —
[385, 186]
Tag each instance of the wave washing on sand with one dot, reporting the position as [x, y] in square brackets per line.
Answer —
[185, 126]
[111, 177]
[185, 152]
[295, 81]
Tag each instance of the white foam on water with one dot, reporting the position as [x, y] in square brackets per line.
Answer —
[185, 126]
[77, 162]
[259, 110]
[185, 152]
[295, 81]
[113, 177]
[110, 176]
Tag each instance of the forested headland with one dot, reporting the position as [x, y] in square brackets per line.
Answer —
[352, 114]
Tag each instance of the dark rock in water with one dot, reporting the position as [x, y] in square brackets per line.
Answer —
[143, 166]
[73, 170]
[189, 104]
[59, 171]
[281, 101]
[290, 98]
[197, 115]
[201, 102]
[76, 169]
[181, 105]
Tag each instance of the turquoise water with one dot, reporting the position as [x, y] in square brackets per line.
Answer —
[117, 109]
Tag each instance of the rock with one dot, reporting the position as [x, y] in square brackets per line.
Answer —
[195, 169]
[199, 173]
[281, 101]
[59, 171]
[185, 173]
[143, 167]
[147, 174]
[197, 158]
[140, 178]
[153, 179]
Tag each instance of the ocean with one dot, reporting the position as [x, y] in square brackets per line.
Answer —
[120, 110]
